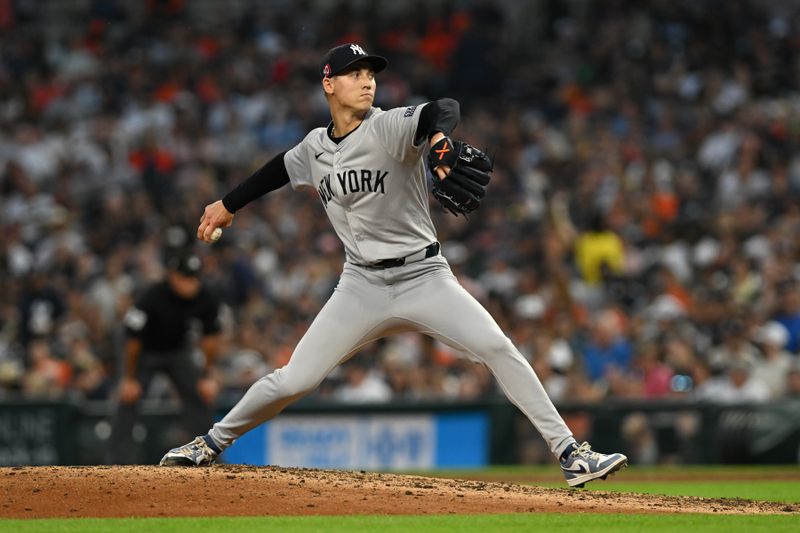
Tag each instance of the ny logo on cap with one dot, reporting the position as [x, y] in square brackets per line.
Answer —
[357, 49]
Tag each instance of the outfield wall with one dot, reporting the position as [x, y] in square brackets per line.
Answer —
[417, 436]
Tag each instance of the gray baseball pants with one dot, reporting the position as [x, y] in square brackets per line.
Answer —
[369, 304]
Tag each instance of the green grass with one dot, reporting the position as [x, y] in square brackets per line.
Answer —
[659, 472]
[702, 481]
[439, 524]
[776, 491]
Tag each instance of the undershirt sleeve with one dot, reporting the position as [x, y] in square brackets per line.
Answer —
[268, 178]
[442, 115]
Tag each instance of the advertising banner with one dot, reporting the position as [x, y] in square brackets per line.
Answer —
[370, 442]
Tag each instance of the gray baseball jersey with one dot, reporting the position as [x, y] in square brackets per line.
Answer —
[373, 186]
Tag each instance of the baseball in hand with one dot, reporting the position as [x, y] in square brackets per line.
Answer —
[216, 234]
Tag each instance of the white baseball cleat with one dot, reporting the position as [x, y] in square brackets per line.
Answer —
[196, 453]
[584, 465]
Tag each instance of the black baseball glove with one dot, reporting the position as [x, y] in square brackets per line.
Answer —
[462, 190]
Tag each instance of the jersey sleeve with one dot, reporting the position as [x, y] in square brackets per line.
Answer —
[396, 128]
[297, 164]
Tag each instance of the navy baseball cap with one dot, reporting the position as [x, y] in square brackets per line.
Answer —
[187, 264]
[337, 59]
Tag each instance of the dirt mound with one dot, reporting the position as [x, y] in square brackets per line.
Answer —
[113, 491]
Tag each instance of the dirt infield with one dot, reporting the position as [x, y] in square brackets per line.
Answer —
[230, 490]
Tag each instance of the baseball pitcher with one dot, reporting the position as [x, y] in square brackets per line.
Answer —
[369, 168]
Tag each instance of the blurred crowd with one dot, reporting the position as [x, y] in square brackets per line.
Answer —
[640, 239]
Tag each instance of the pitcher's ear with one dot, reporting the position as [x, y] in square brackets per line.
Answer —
[327, 85]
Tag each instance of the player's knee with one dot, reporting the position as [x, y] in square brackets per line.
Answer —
[496, 346]
[297, 389]
[292, 383]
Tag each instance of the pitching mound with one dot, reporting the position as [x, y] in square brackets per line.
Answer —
[43, 492]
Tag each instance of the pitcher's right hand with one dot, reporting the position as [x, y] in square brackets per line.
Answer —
[214, 216]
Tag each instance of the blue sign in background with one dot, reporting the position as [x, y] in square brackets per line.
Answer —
[460, 440]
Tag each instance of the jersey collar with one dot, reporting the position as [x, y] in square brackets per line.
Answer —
[337, 140]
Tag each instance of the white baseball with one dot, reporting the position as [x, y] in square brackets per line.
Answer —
[217, 233]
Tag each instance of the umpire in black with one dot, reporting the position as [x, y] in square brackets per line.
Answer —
[161, 331]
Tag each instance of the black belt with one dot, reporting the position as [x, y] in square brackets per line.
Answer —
[429, 251]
